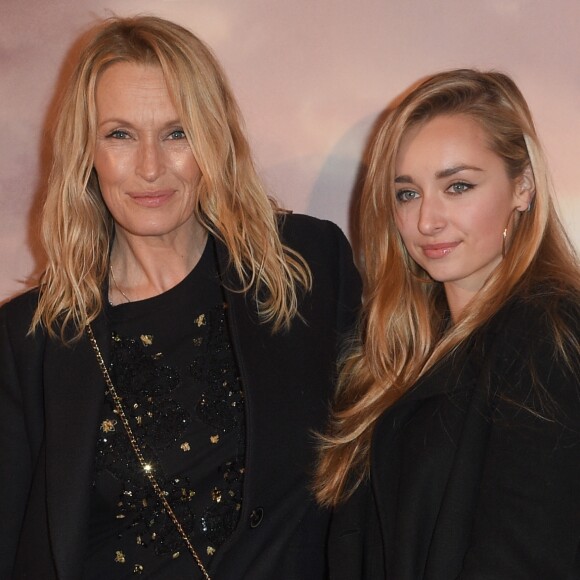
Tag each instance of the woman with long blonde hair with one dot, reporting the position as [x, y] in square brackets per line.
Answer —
[454, 445]
[159, 388]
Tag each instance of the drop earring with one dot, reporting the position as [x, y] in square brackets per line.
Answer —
[503, 242]
[504, 234]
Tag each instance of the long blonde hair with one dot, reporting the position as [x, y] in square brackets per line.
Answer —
[401, 331]
[231, 202]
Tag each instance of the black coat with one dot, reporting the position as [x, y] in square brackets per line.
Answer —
[474, 473]
[51, 399]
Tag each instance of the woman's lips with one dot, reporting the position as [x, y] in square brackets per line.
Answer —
[436, 251]
[151, 198]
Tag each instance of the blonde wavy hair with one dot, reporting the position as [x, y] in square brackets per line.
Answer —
[402, 332]
[231, 202]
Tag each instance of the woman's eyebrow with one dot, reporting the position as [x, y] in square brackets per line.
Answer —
[456, 169]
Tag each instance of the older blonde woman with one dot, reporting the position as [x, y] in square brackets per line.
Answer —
[159, 389]
[454, 450]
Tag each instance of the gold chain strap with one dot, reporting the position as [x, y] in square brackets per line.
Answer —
[145, 466]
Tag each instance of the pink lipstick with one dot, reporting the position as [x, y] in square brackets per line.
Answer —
[437, 251]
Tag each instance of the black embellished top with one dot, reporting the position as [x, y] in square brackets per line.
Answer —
[173, 366]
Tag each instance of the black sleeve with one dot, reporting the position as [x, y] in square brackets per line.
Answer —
[527, 523]
[15, 451]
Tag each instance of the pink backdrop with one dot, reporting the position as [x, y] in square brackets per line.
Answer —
[311, 77]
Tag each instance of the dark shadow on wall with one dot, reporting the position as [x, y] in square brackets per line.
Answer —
[337, 191]
[339, 180]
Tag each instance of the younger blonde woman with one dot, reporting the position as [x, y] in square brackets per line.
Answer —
[454, 446]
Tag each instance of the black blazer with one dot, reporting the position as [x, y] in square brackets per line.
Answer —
[474, 474]
[50, 404]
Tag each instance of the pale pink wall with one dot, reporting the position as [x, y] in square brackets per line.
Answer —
[311, 77]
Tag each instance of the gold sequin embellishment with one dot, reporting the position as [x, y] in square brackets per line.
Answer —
[108, 425]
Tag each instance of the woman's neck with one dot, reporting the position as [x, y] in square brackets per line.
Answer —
[142, 267]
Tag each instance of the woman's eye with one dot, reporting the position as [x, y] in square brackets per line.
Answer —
[118, 134]
[177, 134]
[404, 195]
[459, 187]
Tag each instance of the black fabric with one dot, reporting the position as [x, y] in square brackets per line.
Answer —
[50, 408]
[475, 474]
[181, 392]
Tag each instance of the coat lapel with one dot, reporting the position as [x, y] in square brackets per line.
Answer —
[74, 396]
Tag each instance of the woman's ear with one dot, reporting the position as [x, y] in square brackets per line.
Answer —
[525, 189]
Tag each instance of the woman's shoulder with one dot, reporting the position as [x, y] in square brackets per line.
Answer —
[329, 256]
[301, 226]
[542, 326]
[537, 355]
[315, 239]
[24, 302]
[17, 313]
[541, 314]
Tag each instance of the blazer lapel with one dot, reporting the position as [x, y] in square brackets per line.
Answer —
[74, 391]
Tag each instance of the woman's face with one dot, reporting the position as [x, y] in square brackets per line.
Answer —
[147, 172]
[454, 199]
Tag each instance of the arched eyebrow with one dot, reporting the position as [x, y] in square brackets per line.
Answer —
[403, 179]
[456, 169]
[440, 174]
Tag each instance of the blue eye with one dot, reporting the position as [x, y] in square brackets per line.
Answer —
[177, 134]
[459, 187]
[118, 134]
[405, 195]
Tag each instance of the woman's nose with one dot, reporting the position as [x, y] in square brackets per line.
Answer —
[431, 215]
[150, 163]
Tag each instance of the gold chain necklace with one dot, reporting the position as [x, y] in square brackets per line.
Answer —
[145, 465]
[117, 285]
